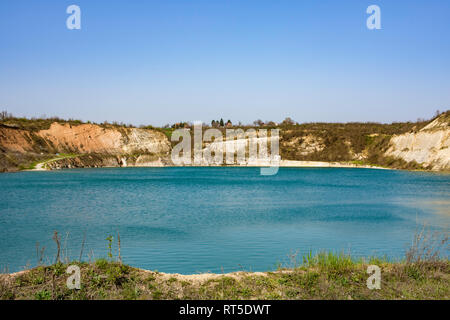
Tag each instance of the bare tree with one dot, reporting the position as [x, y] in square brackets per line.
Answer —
[258, 123]
[5, 115]
[288, 121]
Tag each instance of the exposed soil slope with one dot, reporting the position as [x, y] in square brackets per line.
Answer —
[18, 146]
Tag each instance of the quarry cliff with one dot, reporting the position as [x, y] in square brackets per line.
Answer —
[430, 147]
[24, 144]
[96, 145]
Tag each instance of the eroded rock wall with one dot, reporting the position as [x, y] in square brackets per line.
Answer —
[429, 147]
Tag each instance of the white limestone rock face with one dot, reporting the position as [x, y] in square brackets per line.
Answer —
[145, 141]
[429, 147]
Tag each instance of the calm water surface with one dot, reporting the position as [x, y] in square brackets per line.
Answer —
[190, 220]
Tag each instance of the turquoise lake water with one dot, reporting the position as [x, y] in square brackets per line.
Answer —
[190, 220]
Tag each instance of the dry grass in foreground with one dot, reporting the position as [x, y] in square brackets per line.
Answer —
[422, 275]
[324, 276]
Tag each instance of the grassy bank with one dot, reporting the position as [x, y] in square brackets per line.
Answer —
[324, 276]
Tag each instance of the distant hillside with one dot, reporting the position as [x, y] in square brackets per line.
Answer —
[372, 143]
[23, 145]
[67, 144]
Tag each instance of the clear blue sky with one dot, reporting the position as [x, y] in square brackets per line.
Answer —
[157, 62]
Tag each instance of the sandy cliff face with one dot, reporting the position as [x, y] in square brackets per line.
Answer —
[429, 147]
[15, 140]
[89, 138]
[85, 138]
[112, 146]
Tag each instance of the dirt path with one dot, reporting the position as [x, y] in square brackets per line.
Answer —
[41, 165]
